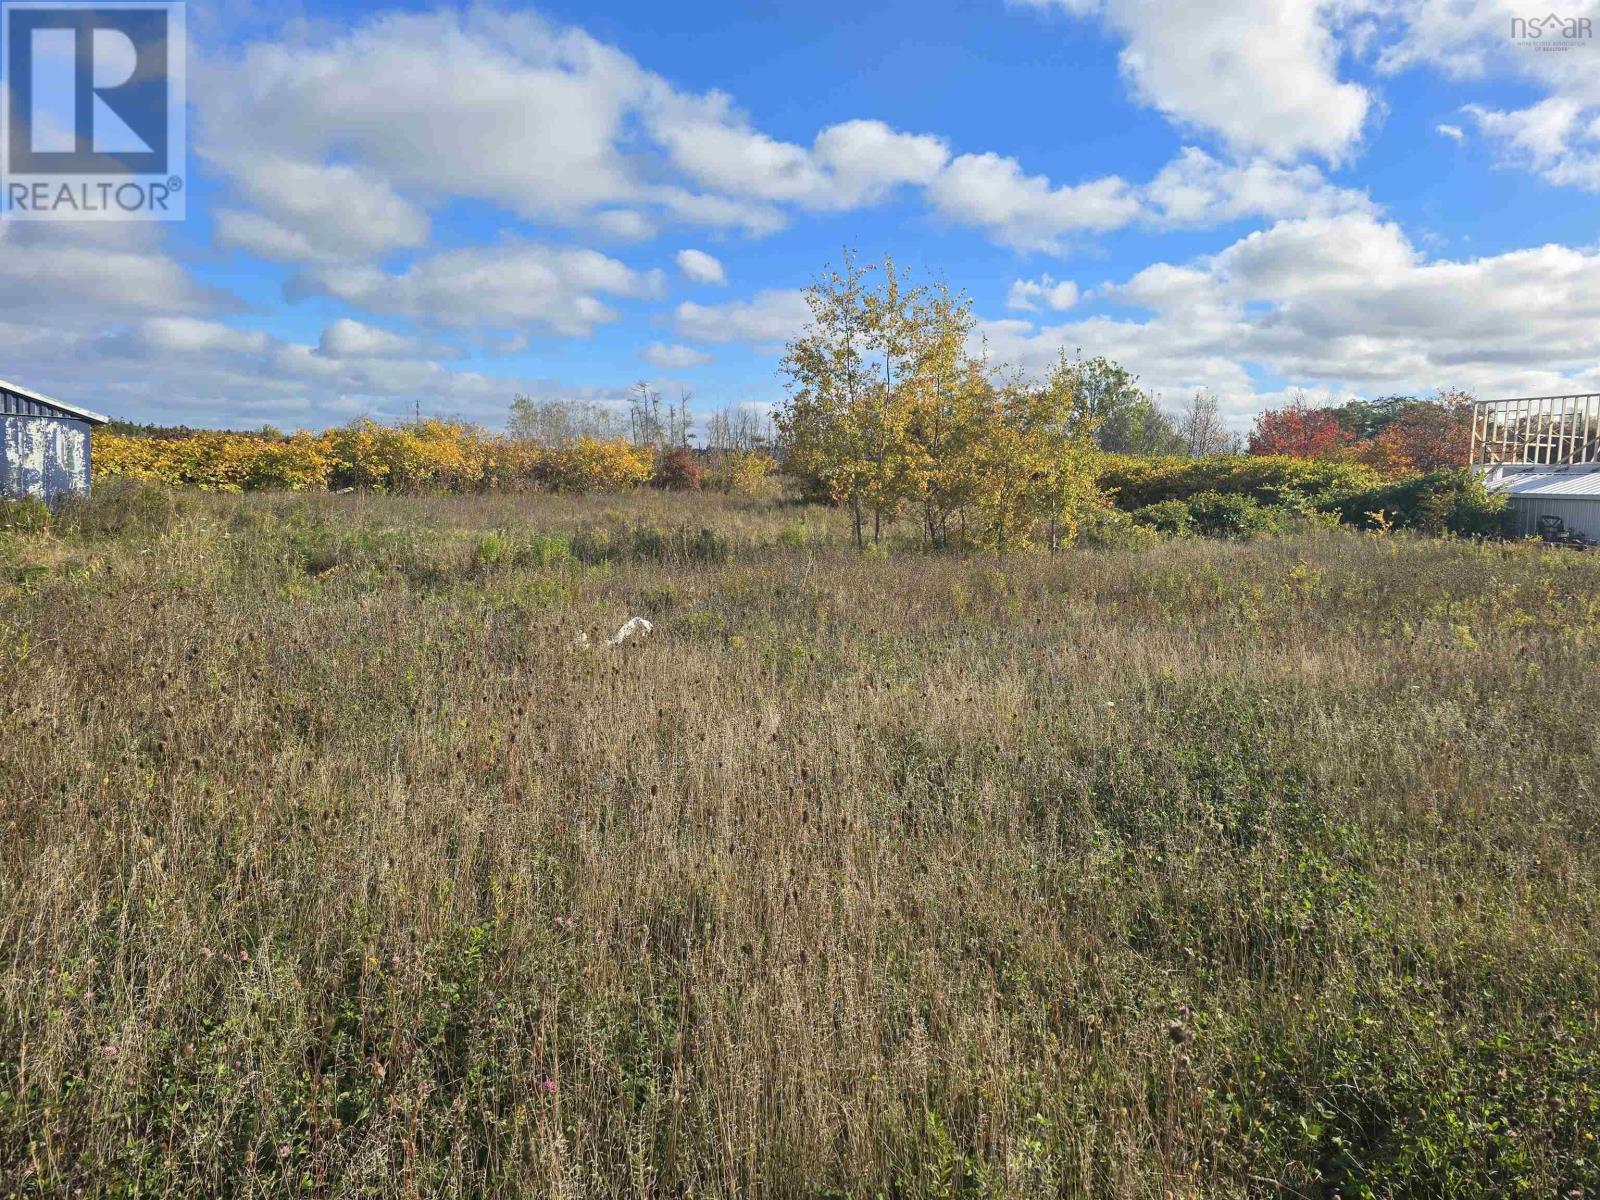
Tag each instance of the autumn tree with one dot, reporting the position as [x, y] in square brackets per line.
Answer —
[1399, 435]
[1299, 430]
[1422, 435]
[948, 393]
[889, 408]
[845, 425]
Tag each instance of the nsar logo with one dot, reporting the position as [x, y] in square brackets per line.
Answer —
[1551, 32]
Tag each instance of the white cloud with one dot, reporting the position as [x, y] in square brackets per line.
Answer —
[849, 164]
[1454, 132]
[1261, 74]
[1557, 138]
[503, 107]
[353, 339]
[1195, 189]
[496, 286]
[673, 357]
[866, 159]
[337, 147]
[203, 373]
[625, 224]
[95, 273]
[700, 267]
[768, 318]
[189, 335]
[1029, 294]
[1558, 135]
[1346, 304]
[318, 212]
[1027, 211]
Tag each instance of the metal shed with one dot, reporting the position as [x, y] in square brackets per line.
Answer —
[44, 445]
[1571, 493]
[1543, 453]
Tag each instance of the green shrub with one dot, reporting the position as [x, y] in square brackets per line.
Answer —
[1300, 484]
[1169, 516]
[1449, 501]
[1217, 515]
[1112, 529]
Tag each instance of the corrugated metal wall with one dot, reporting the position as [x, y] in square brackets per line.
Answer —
[1581, 515]
[45, 457]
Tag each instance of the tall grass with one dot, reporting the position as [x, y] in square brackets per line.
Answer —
[332, 867]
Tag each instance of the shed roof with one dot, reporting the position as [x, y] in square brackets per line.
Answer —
[1582, 483]
[60, 406]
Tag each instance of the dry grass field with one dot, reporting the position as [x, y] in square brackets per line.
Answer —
[331, 866]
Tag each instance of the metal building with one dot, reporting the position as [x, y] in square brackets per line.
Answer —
[1543, 452]
[44, 445]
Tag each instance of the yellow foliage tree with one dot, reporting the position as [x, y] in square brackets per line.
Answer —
[887, 406]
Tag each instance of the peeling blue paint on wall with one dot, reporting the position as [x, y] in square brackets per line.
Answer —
[44, 445]
[43, 457]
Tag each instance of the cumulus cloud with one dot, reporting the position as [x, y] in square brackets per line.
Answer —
[849, 164]
[189, 335]
[867, 159]
[318, 212]
[1030, 294]
[194, 372]
[1346, 304]
[1028, 211]
[496, 286]
[1557, 136]
[503, 107]
[673, 357]
[337, 150]
[96, 272]
[700, 267]
[337, 147]
[1196, 189]
[768, 318]
[1210, 64]
[353, 339]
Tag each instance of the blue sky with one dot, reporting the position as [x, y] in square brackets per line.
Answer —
[443, 206]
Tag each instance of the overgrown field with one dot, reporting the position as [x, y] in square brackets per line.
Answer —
[332, 867]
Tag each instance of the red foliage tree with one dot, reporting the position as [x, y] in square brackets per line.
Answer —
[1298, 430]
[677, 471]
[1425, 435]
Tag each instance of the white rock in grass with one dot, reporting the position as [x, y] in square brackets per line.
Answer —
[637, 625]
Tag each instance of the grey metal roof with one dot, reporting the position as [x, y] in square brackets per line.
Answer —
[1580, 484]
[11, 393]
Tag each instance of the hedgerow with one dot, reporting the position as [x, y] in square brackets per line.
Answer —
[1134, 482]
[428, 457]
